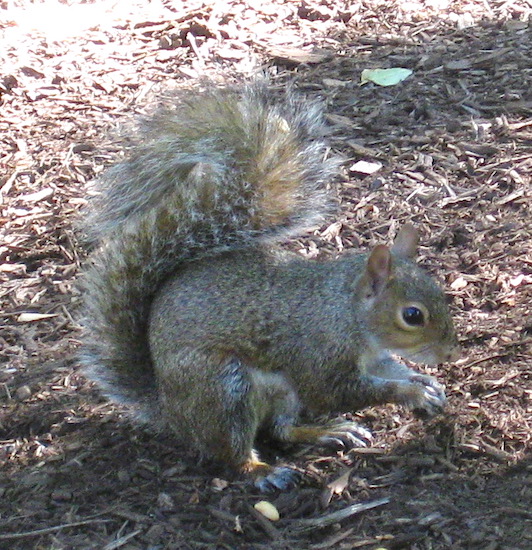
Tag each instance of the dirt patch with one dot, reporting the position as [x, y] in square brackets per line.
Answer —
[453, 142]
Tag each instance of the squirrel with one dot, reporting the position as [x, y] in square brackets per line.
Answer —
[197, 319]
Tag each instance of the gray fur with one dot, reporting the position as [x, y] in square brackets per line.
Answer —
[188, 185]
[191, 312]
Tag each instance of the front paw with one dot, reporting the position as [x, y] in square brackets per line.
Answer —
[424, 395]
[345, 435]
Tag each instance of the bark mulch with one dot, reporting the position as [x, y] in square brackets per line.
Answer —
[449, 149]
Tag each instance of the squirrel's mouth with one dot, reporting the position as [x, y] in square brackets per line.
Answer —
[429, 354]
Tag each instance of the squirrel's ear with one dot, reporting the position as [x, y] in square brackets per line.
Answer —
[406, 241]
[378, 268]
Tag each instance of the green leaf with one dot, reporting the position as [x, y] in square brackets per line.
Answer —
[385, 77]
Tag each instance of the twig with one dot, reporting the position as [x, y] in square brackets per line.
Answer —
[335, 539]
[484, 359]
[489, 450]
[47, 530]
[9, 183]
[302, 525]
[266, 524]
[122, 540]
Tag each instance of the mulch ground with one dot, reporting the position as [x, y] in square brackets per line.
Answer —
[450, 151]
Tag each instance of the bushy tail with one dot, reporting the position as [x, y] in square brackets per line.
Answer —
[212, 170]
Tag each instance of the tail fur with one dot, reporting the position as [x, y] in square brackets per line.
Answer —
[209, 171]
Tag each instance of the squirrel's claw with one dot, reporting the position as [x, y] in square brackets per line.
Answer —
[281, 478]
[346, 435]
[432, 399]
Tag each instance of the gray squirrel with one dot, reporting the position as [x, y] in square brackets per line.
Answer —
[198, 321]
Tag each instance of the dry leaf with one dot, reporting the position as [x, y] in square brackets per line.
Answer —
[332, 231]
[459, 283]
[365, 167]
[219, 484]
[30, 317]
[338, 485]
[37, 196]
[297, 56]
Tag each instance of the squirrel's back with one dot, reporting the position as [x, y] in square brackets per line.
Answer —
[207, 171]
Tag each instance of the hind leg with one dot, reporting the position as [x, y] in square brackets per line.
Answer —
[280, 415]
[221, 408]
[276, 406]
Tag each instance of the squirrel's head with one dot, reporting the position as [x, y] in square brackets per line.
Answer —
[405, 308]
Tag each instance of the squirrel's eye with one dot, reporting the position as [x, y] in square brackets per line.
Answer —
[413, 316]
